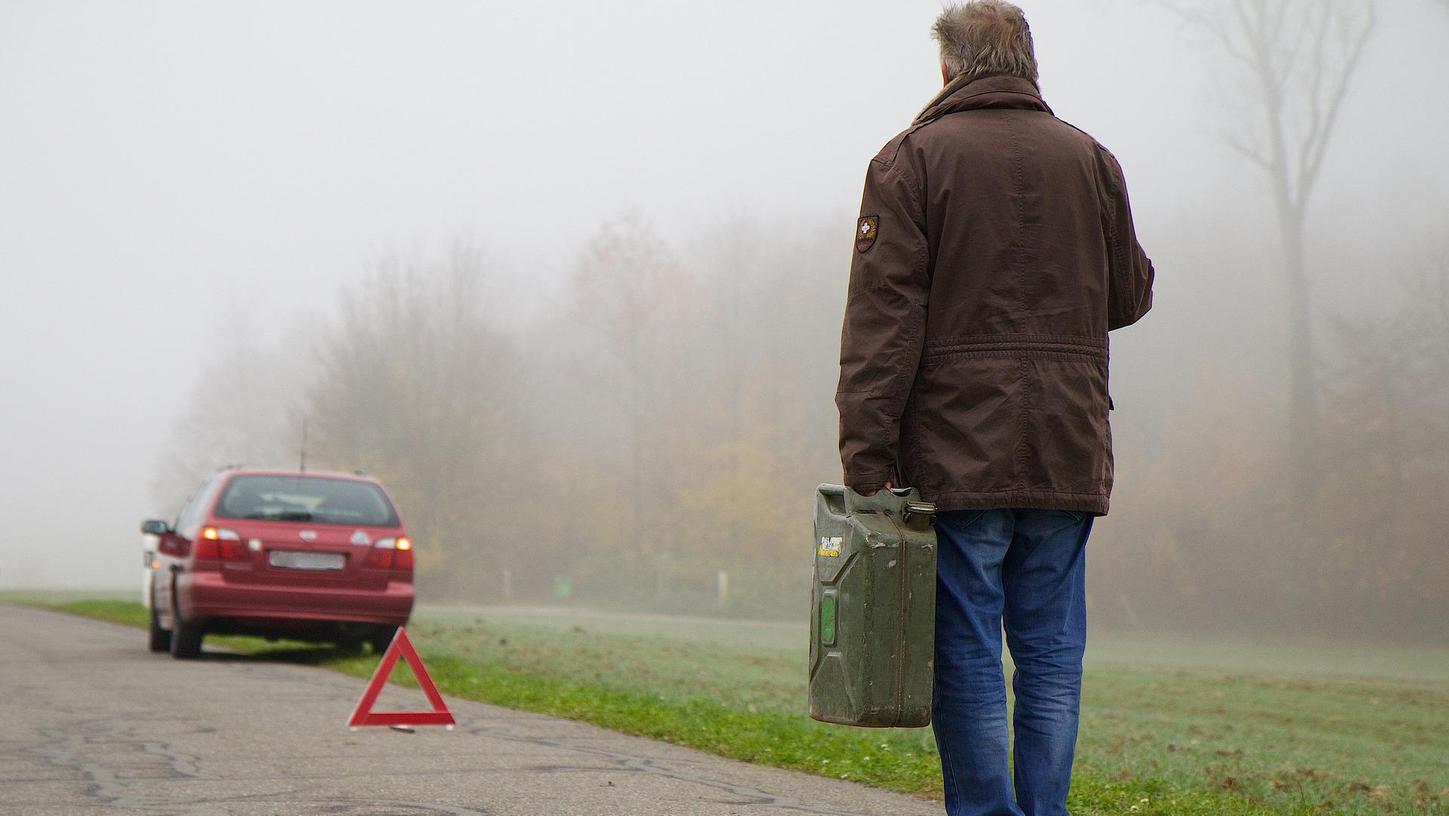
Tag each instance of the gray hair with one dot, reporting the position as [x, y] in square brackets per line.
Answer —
[984, 37]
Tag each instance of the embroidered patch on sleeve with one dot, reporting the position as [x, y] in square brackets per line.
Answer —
[865, 232]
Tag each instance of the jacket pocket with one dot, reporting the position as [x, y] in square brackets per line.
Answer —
[967, 412]
[1066, 429]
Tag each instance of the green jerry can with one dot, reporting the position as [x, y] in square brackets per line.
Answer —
[873, 608]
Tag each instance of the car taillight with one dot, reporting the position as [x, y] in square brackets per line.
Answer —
[391, 553]
[219, 542]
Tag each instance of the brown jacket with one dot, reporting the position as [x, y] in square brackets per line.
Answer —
[994, 252]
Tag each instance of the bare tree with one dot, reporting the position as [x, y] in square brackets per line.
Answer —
[1386, 451]
[621, 285]
[412, 385]
[1299, 57]
[240, 412]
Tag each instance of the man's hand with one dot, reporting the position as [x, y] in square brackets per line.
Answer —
[886, 486]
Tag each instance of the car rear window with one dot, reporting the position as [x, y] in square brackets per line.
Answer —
[311, 499]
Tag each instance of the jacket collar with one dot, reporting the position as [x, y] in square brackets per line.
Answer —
[998, 91]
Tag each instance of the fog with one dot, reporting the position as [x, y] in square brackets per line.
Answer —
[183, 185]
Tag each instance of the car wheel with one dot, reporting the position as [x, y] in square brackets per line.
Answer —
[160, 639]
[382, 638]
[348, 645]
[185, 636]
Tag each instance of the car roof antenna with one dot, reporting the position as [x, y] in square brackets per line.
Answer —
[302, 466]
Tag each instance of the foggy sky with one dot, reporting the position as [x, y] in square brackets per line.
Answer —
[177, 178]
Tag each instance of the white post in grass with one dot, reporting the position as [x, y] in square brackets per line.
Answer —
[722, 586]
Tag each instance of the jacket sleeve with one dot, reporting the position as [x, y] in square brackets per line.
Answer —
[1130, 283]
[885, 320]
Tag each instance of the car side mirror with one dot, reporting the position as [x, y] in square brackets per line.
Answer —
[155, 527]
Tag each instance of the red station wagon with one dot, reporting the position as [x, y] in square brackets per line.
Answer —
[304, 555]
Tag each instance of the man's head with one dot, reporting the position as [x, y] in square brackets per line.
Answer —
[982, 38]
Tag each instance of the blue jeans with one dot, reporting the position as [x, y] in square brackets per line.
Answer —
[1026, 569]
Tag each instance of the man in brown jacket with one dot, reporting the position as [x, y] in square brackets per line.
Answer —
[994, 252]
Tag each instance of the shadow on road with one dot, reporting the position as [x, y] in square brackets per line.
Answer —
[295, 654]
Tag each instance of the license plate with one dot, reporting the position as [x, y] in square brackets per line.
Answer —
[290, 559]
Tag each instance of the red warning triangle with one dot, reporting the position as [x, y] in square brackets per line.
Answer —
[401, 647]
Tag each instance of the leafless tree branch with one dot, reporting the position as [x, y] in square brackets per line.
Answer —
[1248, 152]
[1324, 124]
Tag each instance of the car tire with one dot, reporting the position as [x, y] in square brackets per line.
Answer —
[382, 638]
[185, 637]
[159, 639]
[349, 646]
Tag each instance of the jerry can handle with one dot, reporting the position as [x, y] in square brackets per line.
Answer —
[834, 496]
[888, 502]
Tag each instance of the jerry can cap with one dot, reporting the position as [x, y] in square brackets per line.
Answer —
[919, 508]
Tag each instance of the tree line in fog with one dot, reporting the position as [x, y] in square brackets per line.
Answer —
[669, 416]
[666, 421]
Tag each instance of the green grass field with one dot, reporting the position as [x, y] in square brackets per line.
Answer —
[1168, 727]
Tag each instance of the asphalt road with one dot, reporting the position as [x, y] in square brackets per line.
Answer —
[91, 723]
